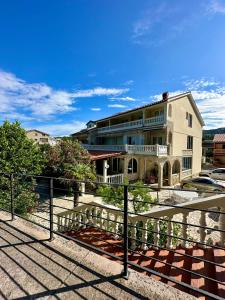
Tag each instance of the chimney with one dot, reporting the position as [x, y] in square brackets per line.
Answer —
[165, 96]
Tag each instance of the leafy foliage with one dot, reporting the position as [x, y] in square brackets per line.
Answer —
[139, 198]
[18, 155]
[68, 159]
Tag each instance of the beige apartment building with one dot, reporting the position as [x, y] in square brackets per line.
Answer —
[40, 137]
[157, 143]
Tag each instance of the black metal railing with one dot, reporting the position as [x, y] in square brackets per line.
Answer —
[165, 241]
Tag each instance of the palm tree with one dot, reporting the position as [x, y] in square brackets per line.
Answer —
[77, 173]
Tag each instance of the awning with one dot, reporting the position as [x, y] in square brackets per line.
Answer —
[96, 155]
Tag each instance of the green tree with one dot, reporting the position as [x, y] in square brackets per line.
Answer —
[18, 155]
[70, 160]
[139, 198]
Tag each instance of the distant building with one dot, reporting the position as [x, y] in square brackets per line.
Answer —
[159, 143]
[40, 137]
[219, 150]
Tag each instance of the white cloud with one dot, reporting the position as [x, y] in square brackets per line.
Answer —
[130, 99]
[96, 108]
[199, 84]
[215, 7]
[41, 101]
[210, 99]
[99, 91]
[128, 82]
[117, 105]
[61, 129]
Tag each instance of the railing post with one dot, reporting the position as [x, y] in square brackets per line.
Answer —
[125, 231]
[51, 208]
[11, 197]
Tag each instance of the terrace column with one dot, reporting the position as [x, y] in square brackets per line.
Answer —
[105, 167]
[160, 175]
[170, 175]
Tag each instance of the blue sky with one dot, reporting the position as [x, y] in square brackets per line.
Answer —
[63, 63]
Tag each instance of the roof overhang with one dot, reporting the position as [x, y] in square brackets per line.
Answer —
[97, 155]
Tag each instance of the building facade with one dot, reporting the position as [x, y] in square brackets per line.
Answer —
[157, 143]
[40, 137]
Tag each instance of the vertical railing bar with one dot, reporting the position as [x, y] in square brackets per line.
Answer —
[12, 197]
[125, 226]
[51, 208]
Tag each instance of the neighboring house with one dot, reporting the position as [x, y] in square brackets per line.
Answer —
[158, 143]
[219, 150]
[40, 137]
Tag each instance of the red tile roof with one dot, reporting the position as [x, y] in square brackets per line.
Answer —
[95, 155]
[219, 138]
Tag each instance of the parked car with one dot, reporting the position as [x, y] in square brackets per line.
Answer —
[203, 184]
[218, 174]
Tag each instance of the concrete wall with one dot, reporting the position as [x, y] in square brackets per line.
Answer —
[181, 130]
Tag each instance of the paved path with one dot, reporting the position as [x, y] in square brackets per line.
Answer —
[33, 268]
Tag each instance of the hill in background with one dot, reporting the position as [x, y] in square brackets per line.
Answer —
[209, 133]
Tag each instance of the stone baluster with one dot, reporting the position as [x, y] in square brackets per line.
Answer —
[84, 218]
[66, 220]
[108, 222]
[79, 219]
[156, 233]
[222, 226]
[59, 223]
[169, 243]
[133, 235]
[184, 229]
[202, 231]
[100, 219]
[94, 216]
[144, 236]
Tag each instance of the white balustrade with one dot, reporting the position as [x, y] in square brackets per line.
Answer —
[140, 223]
[154, 121]
[156, 150]
[159, 120]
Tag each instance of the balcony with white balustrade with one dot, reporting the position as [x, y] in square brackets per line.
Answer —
[154, 150]
[149, 122]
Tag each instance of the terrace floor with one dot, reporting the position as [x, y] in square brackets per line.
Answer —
[167, 262]
[33, 268]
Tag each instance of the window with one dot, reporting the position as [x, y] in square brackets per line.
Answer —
[44, 140]
[157, 140]
[189, 142]
[187, 163]
[132, 166]
[189, 119]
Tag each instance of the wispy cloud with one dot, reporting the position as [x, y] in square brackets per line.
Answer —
[129, 99]
[163, 22]
[200, 83]
[117, 105]
[216, 7]
[21, 99]
[210, 99]
[95, 108]
[128, 82]
[99, 91]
